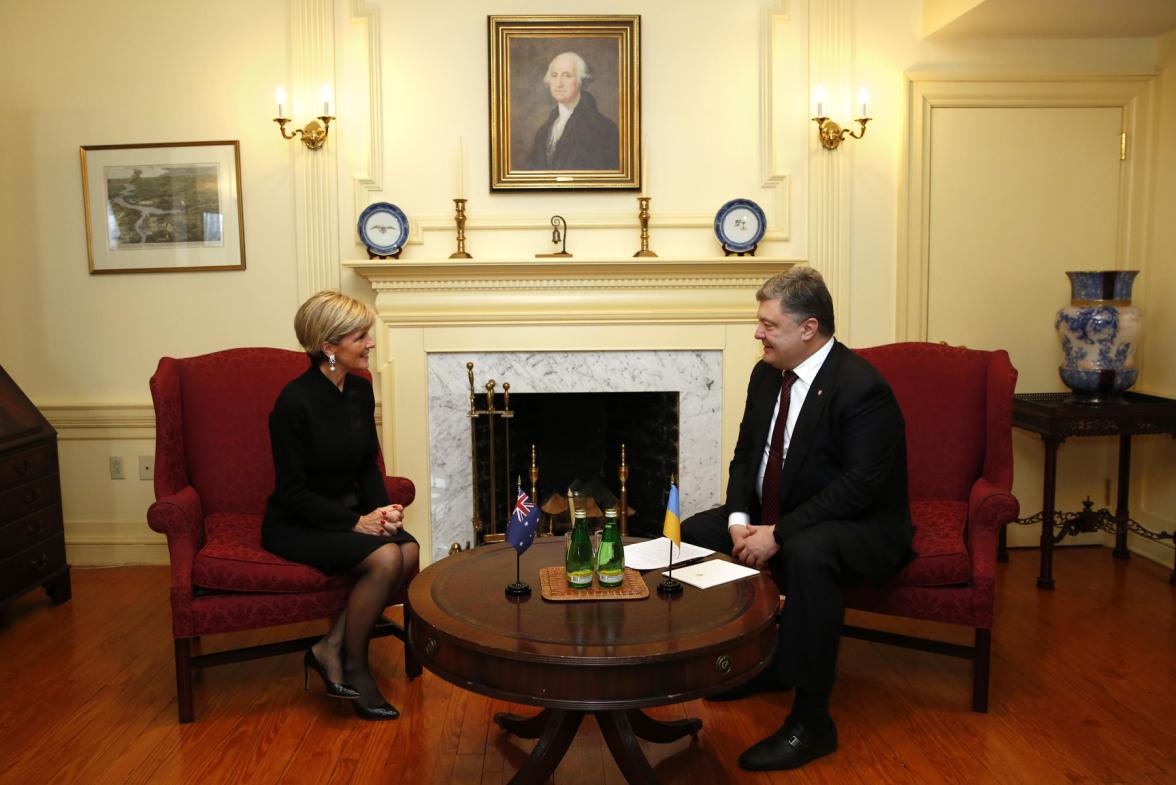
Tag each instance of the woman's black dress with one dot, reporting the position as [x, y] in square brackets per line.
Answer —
[325, 472]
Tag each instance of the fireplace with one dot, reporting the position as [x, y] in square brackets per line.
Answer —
[680, 389]
[577, 439]
[679, 326]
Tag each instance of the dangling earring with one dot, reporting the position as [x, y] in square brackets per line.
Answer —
[331, 360]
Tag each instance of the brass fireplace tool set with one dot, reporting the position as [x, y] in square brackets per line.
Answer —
[490, 531]
[490, 413]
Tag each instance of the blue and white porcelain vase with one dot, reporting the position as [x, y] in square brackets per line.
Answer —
[1099, 330]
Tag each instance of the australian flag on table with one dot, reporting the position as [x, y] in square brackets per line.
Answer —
[523, 523]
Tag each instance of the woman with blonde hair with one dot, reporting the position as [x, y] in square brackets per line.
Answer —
[330, 508]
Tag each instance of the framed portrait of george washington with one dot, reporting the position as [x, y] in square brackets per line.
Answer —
[565, 102]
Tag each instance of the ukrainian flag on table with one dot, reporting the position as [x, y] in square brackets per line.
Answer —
[523, 523]
[672, 528]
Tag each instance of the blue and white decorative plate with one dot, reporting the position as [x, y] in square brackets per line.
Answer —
[740, 225]
[383, 228]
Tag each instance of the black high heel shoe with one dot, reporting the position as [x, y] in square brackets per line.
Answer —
[385, 711]
[335, 689]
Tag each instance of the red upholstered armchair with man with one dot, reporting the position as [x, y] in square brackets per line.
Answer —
[818, 491]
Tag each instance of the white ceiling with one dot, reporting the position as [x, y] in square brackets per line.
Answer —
[1048, 18]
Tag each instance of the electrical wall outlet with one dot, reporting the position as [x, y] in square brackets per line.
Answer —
[116, 468]
[146, 467]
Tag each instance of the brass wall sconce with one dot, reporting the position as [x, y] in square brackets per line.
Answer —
[556, 237]
[314, 135]
[829, 132]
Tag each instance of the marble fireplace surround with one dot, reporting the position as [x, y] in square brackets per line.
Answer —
[613, 325]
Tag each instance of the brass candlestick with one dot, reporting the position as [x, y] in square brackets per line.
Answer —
[534, 475]
[643, 202]
[460, 218]
[623, 475]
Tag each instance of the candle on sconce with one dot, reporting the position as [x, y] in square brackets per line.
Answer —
[864, 100]
[325, 97]
[461, 168]
[819, 97]
[280, 97]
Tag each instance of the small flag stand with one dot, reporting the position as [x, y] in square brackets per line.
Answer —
[518, 588]
[670, 585]
[524, 520]
[672, 530]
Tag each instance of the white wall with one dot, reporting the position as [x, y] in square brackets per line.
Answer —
[82, 73]
[1153, 500]
[77, 73]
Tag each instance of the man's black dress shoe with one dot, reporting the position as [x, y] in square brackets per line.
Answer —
[761, 682]
[788, 748]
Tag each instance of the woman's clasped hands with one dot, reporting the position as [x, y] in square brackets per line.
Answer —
[382, 521]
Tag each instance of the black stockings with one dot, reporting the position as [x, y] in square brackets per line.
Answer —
[381, 576]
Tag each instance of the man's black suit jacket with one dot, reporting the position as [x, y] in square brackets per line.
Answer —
[589, 140]
[846, 462]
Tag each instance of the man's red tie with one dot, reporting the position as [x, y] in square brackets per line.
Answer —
[770, 504]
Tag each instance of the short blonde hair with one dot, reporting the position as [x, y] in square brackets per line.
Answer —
[329, 317]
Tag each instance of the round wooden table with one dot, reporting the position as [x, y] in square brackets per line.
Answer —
[608, 657]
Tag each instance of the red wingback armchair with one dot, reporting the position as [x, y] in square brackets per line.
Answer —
[957, 404]
[213, 474]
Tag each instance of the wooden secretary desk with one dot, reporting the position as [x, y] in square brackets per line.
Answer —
[32, 540]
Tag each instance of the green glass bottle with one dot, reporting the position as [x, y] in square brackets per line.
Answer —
[579, 558]
[610, 557]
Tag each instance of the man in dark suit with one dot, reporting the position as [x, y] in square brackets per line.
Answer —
[575, 135]
[817, 490]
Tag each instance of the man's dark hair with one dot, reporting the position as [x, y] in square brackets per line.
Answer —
[802, 294]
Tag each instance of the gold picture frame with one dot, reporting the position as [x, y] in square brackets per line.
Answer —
[588, 65]
[163, 207]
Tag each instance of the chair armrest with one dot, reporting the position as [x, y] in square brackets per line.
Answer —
[400, 490]
[180, 516]
[990, 508]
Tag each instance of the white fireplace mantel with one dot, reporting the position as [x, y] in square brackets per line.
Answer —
[473, 308]
[566, 291]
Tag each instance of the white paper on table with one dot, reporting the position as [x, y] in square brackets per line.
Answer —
[712, 573]
[655, 554]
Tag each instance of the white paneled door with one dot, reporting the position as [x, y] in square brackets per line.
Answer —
[1017, 197]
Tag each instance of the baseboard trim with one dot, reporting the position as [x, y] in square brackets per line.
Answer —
[115, 554]
[113, 544]
[1153, 550]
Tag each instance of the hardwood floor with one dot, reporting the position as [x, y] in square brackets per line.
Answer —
[1082, 692]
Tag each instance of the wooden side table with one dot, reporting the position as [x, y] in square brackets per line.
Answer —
[1057, 416]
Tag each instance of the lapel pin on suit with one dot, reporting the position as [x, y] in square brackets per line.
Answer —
[820, 391]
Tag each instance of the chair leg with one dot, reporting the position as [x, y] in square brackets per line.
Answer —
[184, 679]
[412, 666]
[980, 663]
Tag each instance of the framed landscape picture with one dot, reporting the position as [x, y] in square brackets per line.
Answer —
[163, 207]
[565, 102]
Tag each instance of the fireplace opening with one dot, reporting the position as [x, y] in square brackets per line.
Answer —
[577, 439]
